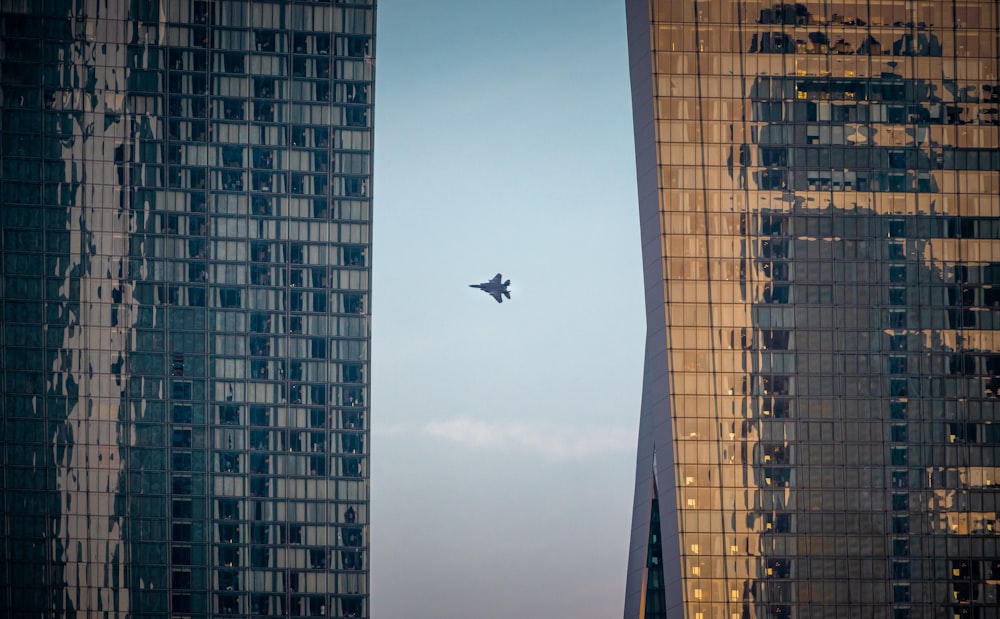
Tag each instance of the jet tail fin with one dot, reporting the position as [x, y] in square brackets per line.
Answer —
[507, 283]
[506, 294]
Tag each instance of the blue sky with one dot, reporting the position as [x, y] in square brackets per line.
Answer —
[503, 436]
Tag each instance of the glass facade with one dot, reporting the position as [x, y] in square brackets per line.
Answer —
[185, 218]
[819, 189]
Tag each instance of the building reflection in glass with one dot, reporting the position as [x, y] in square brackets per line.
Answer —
[820, 197]
[185, 218]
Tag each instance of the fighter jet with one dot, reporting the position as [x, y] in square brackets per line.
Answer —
[494, 287]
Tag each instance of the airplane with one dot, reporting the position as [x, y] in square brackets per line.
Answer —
[494, 287]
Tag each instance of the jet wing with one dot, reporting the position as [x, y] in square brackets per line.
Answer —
[496, 280]
[496, 295]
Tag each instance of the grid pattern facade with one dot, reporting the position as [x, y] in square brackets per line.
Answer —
[819, 188]
[185, 216]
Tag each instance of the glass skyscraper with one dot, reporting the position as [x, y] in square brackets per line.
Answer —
[185, 218]
[819, 189]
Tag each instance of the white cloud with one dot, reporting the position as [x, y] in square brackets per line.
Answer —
[554, 441]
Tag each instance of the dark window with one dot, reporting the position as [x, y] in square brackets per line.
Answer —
[774, 339]
[229, 509]
[234, 63]
[229, 415]
[264, 41]
[260, 416]
[319, 302]
[181, 413]
[778, 568]
[775, 293]
[357, 117]
[180, 438]
[962, 432]
[182, 508]
[901, 593]
[181, 531]
[901, 569]
[900, 524]
[181, 485]
[354, 255]
[898, 387]
[897, 319]
[353, 303]
[357, 47]
[229, 297]
[180, 390]
[899, 456]
[181, 461]
[900, 502]
[901, 547]
[263, 87]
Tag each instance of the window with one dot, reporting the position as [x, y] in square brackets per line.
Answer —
[899, 432]
[357, 47]
[901, 547]
[897, 364]
[354, 255]
[180, 437]
[233, 63]
[774, 339]
[357, 117]
[897, 410]
[898, 387]
[901, 569]
[181, 531]
[199, 9]
[181, 413]
[897, 319]
[229, 509]
[263, 87]
[196, 296]
[900, 502]
[229, 297]
[353, 304]
[181, 485]
[180, 461]
[900, 524]
[775, 293]
[264, 41]
[229, 415]
[317, 558]
[319, 302]
[899, 456]
[181, 508]
[778, 568]
[900, 479]
[322, 44]
[901, 593]
[181, 390]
